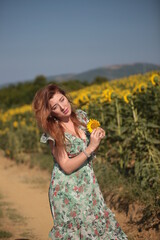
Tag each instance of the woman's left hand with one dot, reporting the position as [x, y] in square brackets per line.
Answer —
[100, 132]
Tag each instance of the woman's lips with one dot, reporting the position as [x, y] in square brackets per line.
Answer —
[66, 111]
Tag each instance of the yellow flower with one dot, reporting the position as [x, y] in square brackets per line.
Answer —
[126, 95]
[107, 94]
[153, 77]
[23, 123]
[7, 152]
[92, 124]
[7, 116]
[142, 87]
[15, 124]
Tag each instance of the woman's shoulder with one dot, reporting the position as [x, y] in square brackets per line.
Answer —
[82, 115]
[45, 137]
[78, 110]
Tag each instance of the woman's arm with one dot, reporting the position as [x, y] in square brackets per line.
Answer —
[71, 164]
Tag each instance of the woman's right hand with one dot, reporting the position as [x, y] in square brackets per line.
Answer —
[95, 138]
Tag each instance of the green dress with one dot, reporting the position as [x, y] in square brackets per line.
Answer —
[77, 205]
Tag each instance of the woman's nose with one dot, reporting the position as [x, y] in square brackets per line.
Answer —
[61, 106]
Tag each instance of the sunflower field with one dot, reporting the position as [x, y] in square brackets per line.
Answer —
[129, 111]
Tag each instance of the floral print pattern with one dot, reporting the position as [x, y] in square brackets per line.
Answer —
[77, 204]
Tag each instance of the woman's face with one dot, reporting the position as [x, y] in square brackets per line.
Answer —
[60, 106]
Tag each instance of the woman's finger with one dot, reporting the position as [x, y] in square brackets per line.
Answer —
[100, 134]
[100, 131]
[93, 132]
[97, 134]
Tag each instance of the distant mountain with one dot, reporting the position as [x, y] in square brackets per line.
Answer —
[61, 77]
[110, 72]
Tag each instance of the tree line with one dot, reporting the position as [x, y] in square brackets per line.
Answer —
[22, 93]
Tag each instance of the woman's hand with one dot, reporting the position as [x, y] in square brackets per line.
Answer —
[95, 138]
[102, 132]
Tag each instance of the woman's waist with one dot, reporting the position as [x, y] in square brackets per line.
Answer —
[58, 170]
[76, 177]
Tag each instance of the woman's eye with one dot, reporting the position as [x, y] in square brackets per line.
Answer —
[62, 99]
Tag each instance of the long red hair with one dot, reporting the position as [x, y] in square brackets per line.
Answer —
[45, 118]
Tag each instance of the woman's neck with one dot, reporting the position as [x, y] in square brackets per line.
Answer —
[68, 125]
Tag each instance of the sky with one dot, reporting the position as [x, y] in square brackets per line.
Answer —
[53, 37]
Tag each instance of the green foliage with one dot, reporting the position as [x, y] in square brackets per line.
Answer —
[44, 160]
[126, 192]
[100, 80]
[5, 234]
[23, 93]
[132, 141]
[40, 81]
[72, 85]
[18, 95]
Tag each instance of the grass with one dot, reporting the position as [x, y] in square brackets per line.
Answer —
[1, 211]
[121, 193]
[110, 180]
[4, 234]
[27, 235]
[37, 182]
[14, 216]
[44, 161]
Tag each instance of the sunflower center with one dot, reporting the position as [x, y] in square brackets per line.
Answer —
[94, 125]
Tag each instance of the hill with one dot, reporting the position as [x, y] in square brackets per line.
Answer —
[110, 72]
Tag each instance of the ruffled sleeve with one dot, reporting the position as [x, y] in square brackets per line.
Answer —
[82, 116]
[45, 137]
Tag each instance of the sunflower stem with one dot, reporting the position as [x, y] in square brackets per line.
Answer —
[135, 116]
[102, 116]
[118, 118]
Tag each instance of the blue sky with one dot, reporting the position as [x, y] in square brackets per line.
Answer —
[53, 37]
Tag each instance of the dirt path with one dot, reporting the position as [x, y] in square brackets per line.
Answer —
[26, 191]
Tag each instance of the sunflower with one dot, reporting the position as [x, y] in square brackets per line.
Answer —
[107, 94]
[141, 87]
[153, 78]
[92, 124]
[15, 124]
[126, 94]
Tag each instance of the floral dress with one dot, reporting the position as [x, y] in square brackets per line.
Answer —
[77, 205]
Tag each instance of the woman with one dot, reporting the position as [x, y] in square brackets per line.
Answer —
[77, 205]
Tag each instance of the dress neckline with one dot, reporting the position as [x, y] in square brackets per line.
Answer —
[67, 133]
